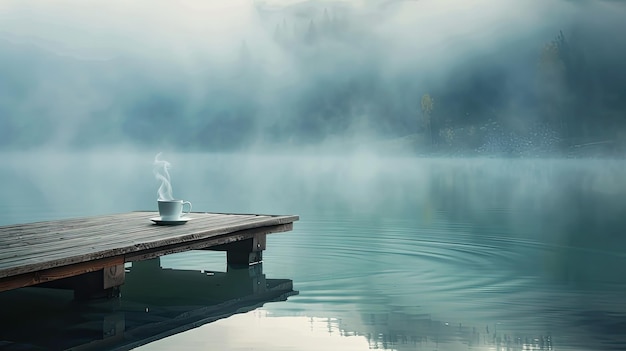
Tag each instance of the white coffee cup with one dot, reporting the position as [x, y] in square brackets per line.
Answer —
[171, 210]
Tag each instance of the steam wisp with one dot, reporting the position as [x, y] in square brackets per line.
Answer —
[161, 173]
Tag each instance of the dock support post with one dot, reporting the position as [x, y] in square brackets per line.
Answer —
[245, 252]
[104, 283]
[248, 251]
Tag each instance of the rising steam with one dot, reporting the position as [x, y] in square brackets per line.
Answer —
[161, 173]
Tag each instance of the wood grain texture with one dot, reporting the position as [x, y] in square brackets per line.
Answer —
[51, 274]
[33, 247]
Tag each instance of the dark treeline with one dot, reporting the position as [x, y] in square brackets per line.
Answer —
[327, 74]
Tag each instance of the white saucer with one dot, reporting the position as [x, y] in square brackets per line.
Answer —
[181, 220]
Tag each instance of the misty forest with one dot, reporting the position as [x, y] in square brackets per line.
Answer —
[391, 76]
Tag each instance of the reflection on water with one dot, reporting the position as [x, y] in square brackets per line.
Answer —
[402, 254]
[264, 332]
[155, 303]
[259, 330]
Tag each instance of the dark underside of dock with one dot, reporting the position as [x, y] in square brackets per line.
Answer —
[88, 254]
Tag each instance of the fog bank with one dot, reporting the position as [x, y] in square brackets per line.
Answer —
[411, 77]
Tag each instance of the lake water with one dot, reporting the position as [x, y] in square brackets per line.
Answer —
[394, 254]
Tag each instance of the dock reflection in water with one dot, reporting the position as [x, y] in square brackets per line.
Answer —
[155, 303]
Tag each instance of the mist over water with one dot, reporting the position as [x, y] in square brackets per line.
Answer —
[389, 248]
[334, 76]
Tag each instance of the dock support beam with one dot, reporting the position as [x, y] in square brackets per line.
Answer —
[245, 252]
[95, 279]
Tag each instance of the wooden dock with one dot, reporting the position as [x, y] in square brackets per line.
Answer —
[88, 254]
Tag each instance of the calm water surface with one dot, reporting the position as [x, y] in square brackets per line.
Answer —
[397, 254]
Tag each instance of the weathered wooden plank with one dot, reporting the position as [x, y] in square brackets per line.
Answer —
[124, 232]
[40, 233]
[37, 227]
[121, 231]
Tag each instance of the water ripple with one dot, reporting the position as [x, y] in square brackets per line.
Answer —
[457, 272]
